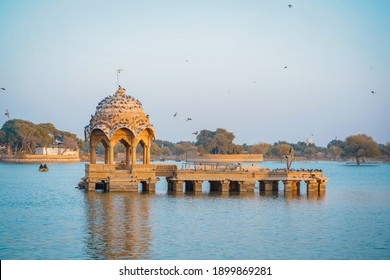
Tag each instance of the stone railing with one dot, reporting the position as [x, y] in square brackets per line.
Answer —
[166, 167]
[227, 158]
[143, 167]
[100, 167]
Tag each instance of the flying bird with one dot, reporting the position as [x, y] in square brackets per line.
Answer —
[373, 92]
[290, 6]
[195, 133]
[189, 119]
[7, 113]
[3, 88]
[175, 114]
[285, 67]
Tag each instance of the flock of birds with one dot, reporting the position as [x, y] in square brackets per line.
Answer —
[285, 67]
[7, 114]
[188, 119]
[6, 111]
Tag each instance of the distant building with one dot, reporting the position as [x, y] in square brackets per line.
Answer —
[55, 151]
[309, 141]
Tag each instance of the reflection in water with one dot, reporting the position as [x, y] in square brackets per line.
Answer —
[118, 226]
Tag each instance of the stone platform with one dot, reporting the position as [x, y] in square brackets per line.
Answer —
[190, 178]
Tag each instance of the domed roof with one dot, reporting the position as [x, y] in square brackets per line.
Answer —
[119, 111]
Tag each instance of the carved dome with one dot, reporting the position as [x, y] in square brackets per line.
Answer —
[119, 111]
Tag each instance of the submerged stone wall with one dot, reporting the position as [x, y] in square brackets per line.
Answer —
[40, 158]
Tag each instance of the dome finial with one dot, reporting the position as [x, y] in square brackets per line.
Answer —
[117, 76]
[121, 91]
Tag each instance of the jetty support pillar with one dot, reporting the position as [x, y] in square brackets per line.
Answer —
[175, 185]
[312, 185]
[193, 185]
[268, 185]
[246, 186]
[91, 185]
[219, 186]
[322, 185]
[149, 185]
[288, 185]
[291, 185]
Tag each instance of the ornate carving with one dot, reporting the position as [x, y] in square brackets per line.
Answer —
[119, 111]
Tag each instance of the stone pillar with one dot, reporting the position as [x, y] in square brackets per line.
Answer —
[225, 185]
[312, 186]
[295, 186]
[92, 153]
[197, 186]
[321, 185]
[133, 154]
[266, 185]
[128, 155]
[175, 186]
[242, 185]
[144, 159]
[111, 159]
[148, 155]
[288, 185]
[149, 185]
[106, 155]
[90, 185]
[219, 186]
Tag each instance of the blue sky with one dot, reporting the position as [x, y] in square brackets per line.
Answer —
[222, 63]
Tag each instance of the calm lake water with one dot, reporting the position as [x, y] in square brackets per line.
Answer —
[43, 216]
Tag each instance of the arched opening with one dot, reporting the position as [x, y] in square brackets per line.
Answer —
[122, 140]
[98, 145]
[120, 153]
[144, 151]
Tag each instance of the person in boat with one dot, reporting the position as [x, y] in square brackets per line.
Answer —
[45, 166]
[41, 166]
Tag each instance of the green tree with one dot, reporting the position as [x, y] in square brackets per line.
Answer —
[155, 149]
[22, 136]
[335, 152]
[217, 142]
[360, 146]
[166, 151]
[385, 149]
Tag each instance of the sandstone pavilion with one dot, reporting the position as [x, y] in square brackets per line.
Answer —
[120, 118]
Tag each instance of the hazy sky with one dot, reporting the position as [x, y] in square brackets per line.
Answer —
[222, 63]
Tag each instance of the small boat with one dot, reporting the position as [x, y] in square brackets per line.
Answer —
[43, 168]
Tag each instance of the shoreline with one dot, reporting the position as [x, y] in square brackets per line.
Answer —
[40, 159]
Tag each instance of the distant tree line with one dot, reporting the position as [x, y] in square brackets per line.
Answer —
[20, 136]
[359, 147]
